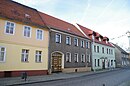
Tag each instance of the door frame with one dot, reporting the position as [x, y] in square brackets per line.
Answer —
[62, 58]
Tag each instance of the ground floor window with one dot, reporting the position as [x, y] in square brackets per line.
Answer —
[25, 54]
[111, 62]
[98, 62]
[76, 57]
[2, 54]
[95, 62]
[68, 57]
[38, 56]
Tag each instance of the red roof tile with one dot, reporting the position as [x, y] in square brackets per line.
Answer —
[61, 25]
[89, 32]
[15, 11]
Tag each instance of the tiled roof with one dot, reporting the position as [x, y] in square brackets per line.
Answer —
[15, 11]
[61, 25]
[122, 50]
[89, 32]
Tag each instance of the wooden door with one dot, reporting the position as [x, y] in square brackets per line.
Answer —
[56, 62]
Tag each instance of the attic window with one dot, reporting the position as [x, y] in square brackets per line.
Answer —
[100, 39]
[68, 28]
[106, 41]
[27, 16]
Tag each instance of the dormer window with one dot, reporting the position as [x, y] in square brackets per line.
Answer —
[100, 39]
[92, 37]
[27, 16]
[106, 42]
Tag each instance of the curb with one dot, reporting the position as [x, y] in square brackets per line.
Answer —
[94, 73]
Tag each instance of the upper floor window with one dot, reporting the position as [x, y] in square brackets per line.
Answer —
[112, 52]
[25, 54]
[82, 58]
[82, 43]
[94, 48]
[68, 40]
[38, 56]
[87, 44]
[107, 50]
[98, 49]
[102, 49]
[76, 41]
[76, 59]
[2, 54]
[9, 28]
[68, 57]
[27, 31]
[88, 58]
[39, 34]
[58, 38]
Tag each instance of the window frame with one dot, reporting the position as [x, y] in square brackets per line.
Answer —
[4, 53]
[68, 40]
[76, 59]
[9, 27]
[37, 34]
[59, 41]
[37, 58]
[82, 43]
[83, 60]
[68, 59]
[76, 42]
[27, 34]
[25, 54]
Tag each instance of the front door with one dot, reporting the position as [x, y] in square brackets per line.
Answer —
[56, 62]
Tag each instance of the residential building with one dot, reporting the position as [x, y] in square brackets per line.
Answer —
[121, 56]
[103, 53]
[23, 40]
[69, 49]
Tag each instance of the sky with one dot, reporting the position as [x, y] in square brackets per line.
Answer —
[110, 18]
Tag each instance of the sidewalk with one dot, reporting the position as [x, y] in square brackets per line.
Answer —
[46, 78]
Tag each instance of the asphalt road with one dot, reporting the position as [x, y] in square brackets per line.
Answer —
[112, 78]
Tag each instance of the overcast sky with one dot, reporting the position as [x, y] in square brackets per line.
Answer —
[110, 18]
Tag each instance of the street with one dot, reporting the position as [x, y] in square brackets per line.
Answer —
[112, 78]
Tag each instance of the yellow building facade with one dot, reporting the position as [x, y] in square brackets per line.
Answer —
[23, 48]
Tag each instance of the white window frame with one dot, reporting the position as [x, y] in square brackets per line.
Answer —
[24, 59]
[83, 58]
[87, 44]
[9, 27]
[82, 43]
[4, 53]
[25, 35]
[76, 43]
[37, 37]
[68, 59]
[38, 56]
[68, 40]
[59, 41]
[76, 59]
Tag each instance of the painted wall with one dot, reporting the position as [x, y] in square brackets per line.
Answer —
[100, 55]
[14, 45]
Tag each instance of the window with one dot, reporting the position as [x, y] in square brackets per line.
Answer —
[98, 49]
[39, 34]
[38, 56]
[107, 50]
[76, 41]
[94, 48]
[95, 63]
[27, 31]
[111, 62]
[25, 54]
[2, 54]
[100, 39]
[68, 40]
[82, 58]
[58, 38]
[76, 57]
[112, 52]
[102, 49]
[88, 58]
[82, 43]
[87, 44]
[9, 28]
[68, 57]
[98, 62]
